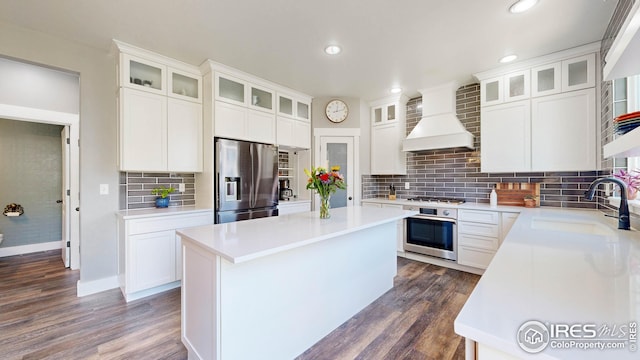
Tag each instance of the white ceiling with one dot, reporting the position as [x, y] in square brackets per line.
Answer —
[410, 43]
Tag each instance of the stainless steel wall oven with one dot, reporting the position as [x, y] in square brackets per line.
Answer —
[432, 232]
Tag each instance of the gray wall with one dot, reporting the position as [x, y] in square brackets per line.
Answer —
[97, 137]
[31, 164]
[358, 118]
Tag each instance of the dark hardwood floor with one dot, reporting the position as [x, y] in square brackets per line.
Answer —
[41, 317]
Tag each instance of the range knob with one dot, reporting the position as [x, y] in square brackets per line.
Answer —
[446, 212]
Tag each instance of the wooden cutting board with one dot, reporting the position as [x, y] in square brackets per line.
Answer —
[514, 193]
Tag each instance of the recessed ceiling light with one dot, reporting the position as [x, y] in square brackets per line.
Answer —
[508, 58]
[522, 6]
[396, 90]
[332, 49]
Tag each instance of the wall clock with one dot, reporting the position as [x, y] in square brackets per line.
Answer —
[337, 111]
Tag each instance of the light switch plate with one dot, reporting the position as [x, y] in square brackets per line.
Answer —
[181, 187]
[104, 189]
[406, 185]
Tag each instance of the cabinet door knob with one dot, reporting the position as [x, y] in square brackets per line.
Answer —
[350, 198]
[58, 201]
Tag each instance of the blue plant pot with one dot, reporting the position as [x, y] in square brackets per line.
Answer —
[162, 202]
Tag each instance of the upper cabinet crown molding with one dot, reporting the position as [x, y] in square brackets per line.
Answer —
[622, 58]
[121, 47]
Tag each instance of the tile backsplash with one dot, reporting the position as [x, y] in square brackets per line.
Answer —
[456, 172]
[135, 189]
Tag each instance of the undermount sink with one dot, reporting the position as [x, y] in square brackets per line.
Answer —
[574, 226]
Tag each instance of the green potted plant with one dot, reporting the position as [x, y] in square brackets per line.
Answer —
[530, 201]
[162, 201]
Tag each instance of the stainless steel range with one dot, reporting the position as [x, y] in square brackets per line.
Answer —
[432, 231]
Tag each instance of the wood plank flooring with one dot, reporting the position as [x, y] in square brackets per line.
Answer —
[41, 317]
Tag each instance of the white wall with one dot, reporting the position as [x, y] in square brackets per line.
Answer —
[97, 137]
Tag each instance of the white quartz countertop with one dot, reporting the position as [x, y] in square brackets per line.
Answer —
[155, 212]
[251, 239]
[470, 206]
[558, 267]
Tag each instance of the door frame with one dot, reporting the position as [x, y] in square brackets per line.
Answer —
[20, 113]
[354, 133]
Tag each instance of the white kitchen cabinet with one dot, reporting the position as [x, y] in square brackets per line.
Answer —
[478, 237]
[293, 122]
[142, 131]
[293, 133]
[159, 134]
[240, 91]
[388, 130]
[184, 85]
[160, 112]
[238, 122]
[142, 74]
[563, 134]
[261, 98]
[155, 260]
[546, 79]
[505, 88]
[149, 253]
[579, 73]
[506, 137]
[184, 136]
[260, 127]
[552, 127]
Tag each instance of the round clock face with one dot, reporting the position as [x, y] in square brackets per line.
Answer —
[337, 111]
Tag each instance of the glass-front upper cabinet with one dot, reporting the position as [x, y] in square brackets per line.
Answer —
[303, 110]
[516, 86]
[261, 98]
[230, 89]
[142, 74]
[285, 105]
[546, 80]
[384, 114]
[185, 85]
[491, 91]
[579, 73]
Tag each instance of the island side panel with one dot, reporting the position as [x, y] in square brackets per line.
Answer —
[200, 301]
[278, 306]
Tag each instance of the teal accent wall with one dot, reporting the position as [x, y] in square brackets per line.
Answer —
[30, 175]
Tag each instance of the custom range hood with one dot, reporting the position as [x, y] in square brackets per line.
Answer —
[439, 127]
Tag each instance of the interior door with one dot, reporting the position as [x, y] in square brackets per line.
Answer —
[338, 151]
[66, 248]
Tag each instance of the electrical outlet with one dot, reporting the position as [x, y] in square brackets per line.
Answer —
[104, 189]
[181, 187]
[406, 185]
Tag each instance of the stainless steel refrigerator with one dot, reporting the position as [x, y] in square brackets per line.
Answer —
[246, 180]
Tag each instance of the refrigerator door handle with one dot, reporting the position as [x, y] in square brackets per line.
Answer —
[253, 186]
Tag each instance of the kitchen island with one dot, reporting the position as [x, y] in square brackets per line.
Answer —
[270, 288]
[563, 283]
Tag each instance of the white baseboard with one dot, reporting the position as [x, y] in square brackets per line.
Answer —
[84, 288]
[31, 248]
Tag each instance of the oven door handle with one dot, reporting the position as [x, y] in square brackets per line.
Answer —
[435, 218]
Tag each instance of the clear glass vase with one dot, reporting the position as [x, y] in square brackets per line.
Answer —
[325, 205]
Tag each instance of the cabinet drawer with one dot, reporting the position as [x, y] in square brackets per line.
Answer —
[172, 222]
[476, 258]
[488, 217]
[472, 228]
[482, 242]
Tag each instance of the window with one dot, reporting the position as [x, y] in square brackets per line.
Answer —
[626, 99]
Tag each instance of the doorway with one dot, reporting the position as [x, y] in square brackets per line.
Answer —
[339, 147]
[71, 171]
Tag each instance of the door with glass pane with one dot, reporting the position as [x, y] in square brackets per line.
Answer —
[338, 151]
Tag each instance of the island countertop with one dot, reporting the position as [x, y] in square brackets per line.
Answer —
[558, 267]
[247, 240]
